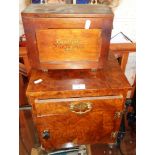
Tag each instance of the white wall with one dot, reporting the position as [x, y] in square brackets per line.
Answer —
[125, 19]
[22, 6]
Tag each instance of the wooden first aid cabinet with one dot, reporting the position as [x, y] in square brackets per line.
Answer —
[71, 103]
[67, 36]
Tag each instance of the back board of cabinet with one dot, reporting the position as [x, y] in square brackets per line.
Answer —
[67, 36]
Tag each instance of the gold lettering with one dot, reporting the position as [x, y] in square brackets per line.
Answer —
[67, 45]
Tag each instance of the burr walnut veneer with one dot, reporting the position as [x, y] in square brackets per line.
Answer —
[89, 114]
[67, 36]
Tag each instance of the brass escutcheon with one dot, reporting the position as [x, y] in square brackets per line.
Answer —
[81, 107]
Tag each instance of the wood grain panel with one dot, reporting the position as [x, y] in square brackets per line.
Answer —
[74, 128]
[65, 126]
[63, 107]
[68, 45]
[58, 84]
[71, 23]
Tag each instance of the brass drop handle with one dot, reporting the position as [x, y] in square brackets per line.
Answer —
[81, 107]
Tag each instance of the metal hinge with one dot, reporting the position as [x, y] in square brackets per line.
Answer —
[114, 135]
[118, 114]
[94, 69]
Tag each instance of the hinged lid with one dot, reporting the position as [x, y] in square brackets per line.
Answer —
[66, 10]
[79, 83]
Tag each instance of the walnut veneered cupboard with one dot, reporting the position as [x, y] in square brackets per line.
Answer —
[63, 113]
[67, 36]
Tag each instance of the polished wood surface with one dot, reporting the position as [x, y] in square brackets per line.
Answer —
[58, 84]
[68, 45]
[45, 19]
[62, 107]
[86, 128]
[85, 116]
[125, 47]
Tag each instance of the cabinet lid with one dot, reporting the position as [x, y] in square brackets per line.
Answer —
[66, 10]
[77, 83]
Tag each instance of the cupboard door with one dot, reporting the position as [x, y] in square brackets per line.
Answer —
[76, 129]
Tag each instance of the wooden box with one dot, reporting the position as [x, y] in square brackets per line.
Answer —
[67, 36]
[78, 106]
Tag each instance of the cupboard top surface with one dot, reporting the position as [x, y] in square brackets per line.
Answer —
[67, 10]
[59, 83]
